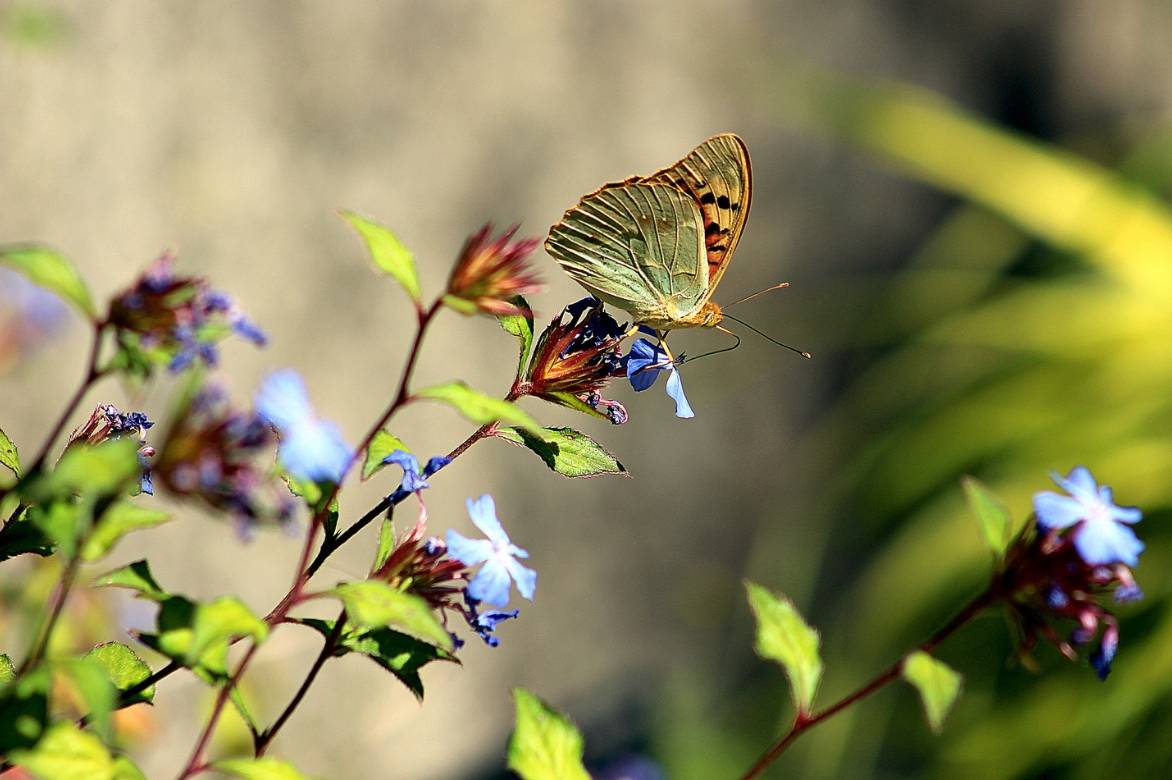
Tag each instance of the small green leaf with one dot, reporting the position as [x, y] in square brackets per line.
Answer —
[387, 252]
[938, 684]
[545, 744]
[480, 408]
[521, 326]
[21, 536]
[116, 522]
[386, 540]
[783, 636]
[124, 669]
[569, 452]
[101, 469]
[24, 710]
[136, 576]
[398, 653]
[61, 523]
[51, 271]
[175, 637]
[9, 457]
[374, 604]
[259, 769]
[571, 401]
[95, 688]
[7, 670]
[66, 752]
[991, 513]
[219, 621]
[382, 445]
[313, 494]
[124, 769]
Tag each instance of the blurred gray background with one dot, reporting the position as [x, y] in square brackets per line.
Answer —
[232, 131]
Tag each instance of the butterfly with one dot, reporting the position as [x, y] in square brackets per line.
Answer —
[656, 246]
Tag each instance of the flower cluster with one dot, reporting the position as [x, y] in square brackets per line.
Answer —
[311, 448]
[1081, 548]
[489, 273]
[575, 357]
[177, 320]
[106, 423]
[211, 456]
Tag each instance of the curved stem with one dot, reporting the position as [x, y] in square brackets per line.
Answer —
[803, 722]
[92, 374]
[57, 604]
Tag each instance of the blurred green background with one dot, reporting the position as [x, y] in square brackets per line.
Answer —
[970, 200]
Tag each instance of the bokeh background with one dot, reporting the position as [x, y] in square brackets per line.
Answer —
[970, 200]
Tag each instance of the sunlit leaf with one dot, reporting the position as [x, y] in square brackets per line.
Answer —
[400, 654]
[124, 669]
[89, 679]
[382, 445]
[136, 576]
[784, 636]
[545, 745]
[65, 752]
[386, 540]
[124, 769]
[387, 252]
[991, 514]
[521, 326]
[569, 452]
[7, 670]
[937, 683]
[220, 620]
[95, 470]
[116, 522]
[62, 523]
[374, 604]
[9, 457]
[259, 769]
[480, 408]
[51, 271]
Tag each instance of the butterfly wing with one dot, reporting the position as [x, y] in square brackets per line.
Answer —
[718, 175]
[638, 245]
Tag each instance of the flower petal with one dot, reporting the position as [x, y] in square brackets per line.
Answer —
[1079, 483]
[403, 460]
[1107, 543]
[491, 583]
[525, 578]
[483, 513]
[282, 400]
[314, 450]
[675, 389]
[1057, 511]
[467, 551]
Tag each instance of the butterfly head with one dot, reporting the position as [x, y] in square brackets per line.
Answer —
[709, 316]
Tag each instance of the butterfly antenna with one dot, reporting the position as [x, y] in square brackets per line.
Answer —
[715, 351]
[767, 337]
[778, 286]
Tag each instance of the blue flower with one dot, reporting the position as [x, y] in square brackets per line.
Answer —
[414, 478]
[310, 448]
[485, 623]
[644, 363]
[497, 553]
[1102, 657]
[1102, 532]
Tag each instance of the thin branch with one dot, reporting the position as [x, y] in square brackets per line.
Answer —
[92, 374]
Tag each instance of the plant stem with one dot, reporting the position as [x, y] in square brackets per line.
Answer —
[57, 604]
[92, 374]
[302, 573]
[803, 722]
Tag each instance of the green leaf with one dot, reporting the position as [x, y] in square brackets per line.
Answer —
[521, 326]
[569, 452]
[374, 604]
[259, 769]
[66, 753]
[62, 524]
[313, 494]
[175, 637]
[938, 684]
[95, 688]
[382, 445]
[136, 576]
[783, 636]
[387, 252]
[116, 522]
[7, 670]
[220, 620]
[51, 271]
[24, 710]
[991, 513]
[480, 408]
[100, 470]
[400, 654]
[124, 769]
[545, 744]
[571, 401]
[9, 457]
[124, 669]
[386, 540]
[22, 536]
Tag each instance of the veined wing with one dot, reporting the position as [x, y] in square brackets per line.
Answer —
[718, 175]
[636, 245]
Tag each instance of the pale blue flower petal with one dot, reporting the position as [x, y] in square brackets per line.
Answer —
[675, 389]
[483, 513]
[282, 400]
[1107, 543]
[314, 450]
[525, 578]
[491, 584]
[1057, 511]
[467, 551]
